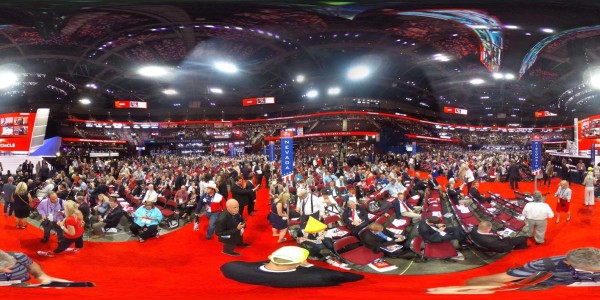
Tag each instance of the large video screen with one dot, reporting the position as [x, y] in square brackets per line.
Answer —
[15, 131]
[588, 132]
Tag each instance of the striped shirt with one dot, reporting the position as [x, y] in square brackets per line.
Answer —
[19, 270]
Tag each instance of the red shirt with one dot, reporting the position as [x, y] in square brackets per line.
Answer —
[75, 222]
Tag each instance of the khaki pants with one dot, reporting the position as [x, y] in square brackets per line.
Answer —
[540, 229]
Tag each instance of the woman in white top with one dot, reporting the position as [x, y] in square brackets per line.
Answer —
[589, 182]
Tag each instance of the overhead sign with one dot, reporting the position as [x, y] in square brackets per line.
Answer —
[130, 104]
[544, 113]
[15, 131]
[455, 110]
[258, 101]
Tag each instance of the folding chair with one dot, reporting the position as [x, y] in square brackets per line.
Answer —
[350, 249]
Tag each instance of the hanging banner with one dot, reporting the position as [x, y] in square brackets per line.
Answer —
[271, 150]
[287, 156]
[536, 154]
[414, 148]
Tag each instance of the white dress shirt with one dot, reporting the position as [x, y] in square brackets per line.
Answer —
[537, 211]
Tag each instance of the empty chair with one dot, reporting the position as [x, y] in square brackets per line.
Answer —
[350, 249]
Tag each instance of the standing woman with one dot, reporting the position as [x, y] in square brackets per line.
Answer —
[21, 199]
[588, 182]
[564, 200]
[278, 216]
[72, 227]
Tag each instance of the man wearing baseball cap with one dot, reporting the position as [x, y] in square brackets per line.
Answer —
[286, 267]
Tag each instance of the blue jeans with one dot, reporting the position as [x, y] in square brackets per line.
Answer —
[212, 221]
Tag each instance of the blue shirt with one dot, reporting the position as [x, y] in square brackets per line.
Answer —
[152, 213]
[19, 270]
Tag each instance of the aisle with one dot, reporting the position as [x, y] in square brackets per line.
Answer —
[183, 265]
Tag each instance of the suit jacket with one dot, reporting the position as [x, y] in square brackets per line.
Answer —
[331, 189]
[475, 193]
[250, 187]
[430, 235]
[433, 184]
[513, 171]
[360, 211]
[240, 194]
[453, 195]
[113, 217]
[374, 242]
[226, 228]
[491, 241]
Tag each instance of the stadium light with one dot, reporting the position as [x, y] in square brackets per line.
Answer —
[85, 101]
[312, 94]
[334, 91]
[477, 81]
[153, 71]
[226, 67]
[170, 92]
[300, 78]
[8, 79]
[358, 72]
[215, 90]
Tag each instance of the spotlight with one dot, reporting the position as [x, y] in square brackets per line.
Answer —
[547, 30]
[216, 90]
[477, 81]
[358, 72]
[226, 67]
[153, 71]
[312, 94]
[8, 79]
[170, 92]
[498, 75]
[85, 101]
[509, 76]
[300, 78]
[334, 91]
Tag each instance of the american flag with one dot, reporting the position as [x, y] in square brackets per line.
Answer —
[536, 172]
[288, 178]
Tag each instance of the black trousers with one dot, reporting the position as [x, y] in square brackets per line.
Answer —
[514, 183]
[48, 226]
[250, 206]
[65, 243]
[146, 231]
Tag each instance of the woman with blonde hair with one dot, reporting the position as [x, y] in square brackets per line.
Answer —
[564, 200]
[588, 182]
[278, 216]
[21, 200]
[72, 227]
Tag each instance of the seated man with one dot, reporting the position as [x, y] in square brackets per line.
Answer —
[432, 230]
[432, 183]
[355, 217]
[403, 209]
[108, 222]
[484, 237]
[286, 267]
[377, 237]
[394, 188]
[474, 192]
[312, 236]
[379, 206]
[146, 220]
[331, 206]
[17, 266]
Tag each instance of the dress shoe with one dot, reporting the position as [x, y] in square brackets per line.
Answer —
[245, 245]
[231, 253]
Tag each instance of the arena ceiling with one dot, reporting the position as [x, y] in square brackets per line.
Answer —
[421, 56]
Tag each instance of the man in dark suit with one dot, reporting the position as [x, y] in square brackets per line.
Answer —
[110, 220]
[332, 190]
[230, 228]
[377, 236]
[432, 183]
[513, 175]
[240, 193]
[474, 192]
[485, 238]
[432, 230]
[355, 217]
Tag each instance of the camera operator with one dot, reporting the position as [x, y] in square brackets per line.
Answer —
[52, 211]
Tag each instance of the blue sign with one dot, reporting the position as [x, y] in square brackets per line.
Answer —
[271, 151]
[287, 157]
[536, 157]
[414, 148]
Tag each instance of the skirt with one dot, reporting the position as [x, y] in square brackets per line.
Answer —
[562, 206]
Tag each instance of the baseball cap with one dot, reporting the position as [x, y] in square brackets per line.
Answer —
[289, 255]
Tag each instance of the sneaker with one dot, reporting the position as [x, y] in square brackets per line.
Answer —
[196, 226]
[142, 240]
[458, 257]
[72, 250]
[45, 253]
[112, 230]
[157, 235]
[231, 253]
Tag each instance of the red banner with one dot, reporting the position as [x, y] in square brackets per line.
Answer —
[258, 101]
[15, 131]
[338, 133]
[413, 136]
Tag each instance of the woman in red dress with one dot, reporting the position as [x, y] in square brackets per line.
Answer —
[72, 227]
[564, 200]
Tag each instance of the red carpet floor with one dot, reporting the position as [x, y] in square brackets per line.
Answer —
[183, 265]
